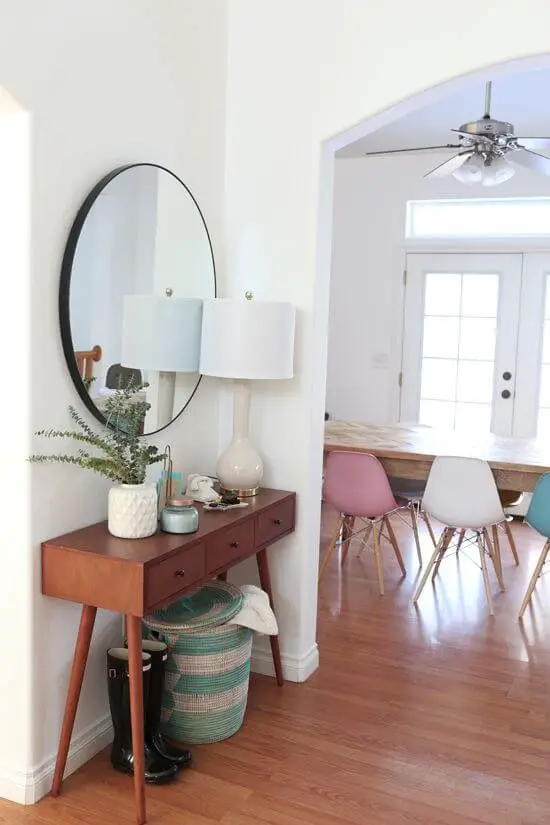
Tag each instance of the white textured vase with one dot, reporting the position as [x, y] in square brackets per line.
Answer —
[132, 511]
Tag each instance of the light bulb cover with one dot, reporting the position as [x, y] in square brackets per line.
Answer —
[471, 172]
[498, 171]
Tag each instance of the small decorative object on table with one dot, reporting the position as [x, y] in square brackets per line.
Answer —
[122, 457]
[179, 515]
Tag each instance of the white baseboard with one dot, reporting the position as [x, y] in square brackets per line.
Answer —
[27, 787]
[295, 668]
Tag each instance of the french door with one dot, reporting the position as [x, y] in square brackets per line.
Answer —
[476, 343]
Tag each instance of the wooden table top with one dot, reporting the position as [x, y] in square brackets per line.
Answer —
[97, 541]
[417, 443]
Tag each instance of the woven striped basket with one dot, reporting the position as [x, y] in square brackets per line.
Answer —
[208, 665]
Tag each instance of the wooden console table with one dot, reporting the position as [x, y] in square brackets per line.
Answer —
[134, 577]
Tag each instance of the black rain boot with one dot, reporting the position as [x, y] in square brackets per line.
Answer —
[157, 769]
[158, 653]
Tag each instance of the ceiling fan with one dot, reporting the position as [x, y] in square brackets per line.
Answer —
[486, 150]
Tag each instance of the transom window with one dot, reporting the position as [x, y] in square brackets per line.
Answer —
[478, 218]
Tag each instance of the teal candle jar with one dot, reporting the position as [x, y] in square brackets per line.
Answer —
[179, 515]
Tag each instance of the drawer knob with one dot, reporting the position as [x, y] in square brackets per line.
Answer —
[276, 521]
[234, 544]
[180, 573]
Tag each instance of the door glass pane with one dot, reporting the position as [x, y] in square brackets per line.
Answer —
[478, 338]
[544, 397]
[438, 414]
[543, 428]
[546, 343]
[458, 353]
[438, 379]
[442, 293]
[475, 381]
[473, 417]
[440, 337]
[479, 295]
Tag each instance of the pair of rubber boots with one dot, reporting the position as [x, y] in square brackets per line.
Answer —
[162, 760]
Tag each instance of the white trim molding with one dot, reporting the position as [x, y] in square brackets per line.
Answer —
[27, 787]
[295, 668]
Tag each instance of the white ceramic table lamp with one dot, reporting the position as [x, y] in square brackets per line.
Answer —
[162, 333]
[244, 340]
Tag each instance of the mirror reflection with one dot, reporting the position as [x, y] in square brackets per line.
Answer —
[137, 266]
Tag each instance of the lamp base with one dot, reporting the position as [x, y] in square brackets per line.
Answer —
[248, 493]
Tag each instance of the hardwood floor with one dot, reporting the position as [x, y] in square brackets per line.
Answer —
[432, 716]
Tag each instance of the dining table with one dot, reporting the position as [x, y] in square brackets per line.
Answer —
[408, 451]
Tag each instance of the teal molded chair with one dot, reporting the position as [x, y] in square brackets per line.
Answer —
[538, 516]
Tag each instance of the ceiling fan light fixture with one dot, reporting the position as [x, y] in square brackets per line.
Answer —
[471, 172]
[498, 171]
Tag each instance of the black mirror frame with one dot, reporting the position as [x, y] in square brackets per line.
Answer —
[65, 285]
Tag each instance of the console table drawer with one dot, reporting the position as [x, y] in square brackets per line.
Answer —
[234, 543]
[179, 571]
[274, 522]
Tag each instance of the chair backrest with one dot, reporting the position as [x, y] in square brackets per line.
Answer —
[357, 484]
[461, 492]
[538, 514]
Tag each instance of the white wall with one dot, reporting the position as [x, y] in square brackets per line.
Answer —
[105, 83]
[299, 74]
[366, 289]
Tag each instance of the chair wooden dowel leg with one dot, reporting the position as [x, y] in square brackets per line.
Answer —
[378, 559]
[428, 569]
[493, 546]
[460, 540]
[508, 530]
[414, 522]
[395, 545]
[534, 577]
[485, 574]
[448, 533]
[426, 518]
[331, 546]
[349, 525]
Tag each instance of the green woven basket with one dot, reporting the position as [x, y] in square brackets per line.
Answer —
[208, 664]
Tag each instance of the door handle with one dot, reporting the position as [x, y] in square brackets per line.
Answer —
[506, 394]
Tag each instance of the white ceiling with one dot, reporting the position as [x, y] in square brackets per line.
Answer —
[521, 99]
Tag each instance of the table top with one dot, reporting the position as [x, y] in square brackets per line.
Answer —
[416, 443]
[96, 539]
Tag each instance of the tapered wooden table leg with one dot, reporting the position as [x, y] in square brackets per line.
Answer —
[265, 581]
[87, 619]
[135, 661]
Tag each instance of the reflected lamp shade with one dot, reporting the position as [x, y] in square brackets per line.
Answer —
[161, 333]
[247, 339]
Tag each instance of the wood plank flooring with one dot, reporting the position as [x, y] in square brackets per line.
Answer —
[432, 716]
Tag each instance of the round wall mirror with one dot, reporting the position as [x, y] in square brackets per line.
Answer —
[137, 266]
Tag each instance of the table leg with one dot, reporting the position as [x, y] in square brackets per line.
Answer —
[135, 661]
[265, 581]
[87, 619]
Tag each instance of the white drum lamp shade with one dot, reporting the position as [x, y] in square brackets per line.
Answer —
[247, 339]
[242, 340]
[161, 333]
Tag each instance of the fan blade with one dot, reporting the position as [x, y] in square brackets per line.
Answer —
[532, 160]
[412, 149]
[449, 166]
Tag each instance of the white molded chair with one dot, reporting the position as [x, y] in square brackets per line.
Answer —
[462, 494]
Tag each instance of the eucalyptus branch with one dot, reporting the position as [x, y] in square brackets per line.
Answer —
[123, 456]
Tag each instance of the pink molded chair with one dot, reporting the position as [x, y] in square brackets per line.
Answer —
[357, 486]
